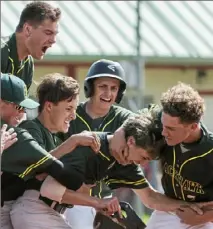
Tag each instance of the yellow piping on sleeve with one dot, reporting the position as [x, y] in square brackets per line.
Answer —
[33, 166]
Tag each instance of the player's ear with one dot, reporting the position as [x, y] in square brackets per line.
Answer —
[130, 141]
[194, 126]
[48, 106]
[27, 29]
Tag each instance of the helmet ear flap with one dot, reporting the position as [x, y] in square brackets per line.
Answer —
[88, 88]
[121, 92]
[119, 96]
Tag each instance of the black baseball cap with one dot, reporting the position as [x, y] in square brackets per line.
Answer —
[14, 90]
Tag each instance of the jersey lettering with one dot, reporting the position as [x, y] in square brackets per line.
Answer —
[187, 185]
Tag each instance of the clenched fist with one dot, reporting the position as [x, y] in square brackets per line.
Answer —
[87, 138]
[109, 206]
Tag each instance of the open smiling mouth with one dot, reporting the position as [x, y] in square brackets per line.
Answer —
[106, 100]
[44, 49]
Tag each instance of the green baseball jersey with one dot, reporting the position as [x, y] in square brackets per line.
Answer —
[42, 135]
[111, 122]
[10, 62]
[29, 157]
[26, 157]
[102, 166]
[188, 169]
[46, 140]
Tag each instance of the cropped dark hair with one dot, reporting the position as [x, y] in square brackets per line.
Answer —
[56, 87]
[184, 102]
[146, 132]
[36, 12]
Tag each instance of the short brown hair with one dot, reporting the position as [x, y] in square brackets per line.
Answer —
[36, 12]
[184, 102]
[142, 127]
[56, 87]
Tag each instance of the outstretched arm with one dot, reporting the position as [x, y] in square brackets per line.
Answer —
[85, 138]
[55, 191]
[158, 201]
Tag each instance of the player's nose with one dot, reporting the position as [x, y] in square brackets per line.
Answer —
[164, 132]
[73, 116]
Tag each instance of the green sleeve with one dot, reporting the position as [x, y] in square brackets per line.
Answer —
[78, 159]
[35, 131]
[127, 114]
[4, 57]
[124, 115]
[130, 176]
[26, 157]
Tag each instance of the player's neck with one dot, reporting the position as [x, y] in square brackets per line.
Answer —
[94, 111]
[195, 136]
[46, 122]
[21, 48]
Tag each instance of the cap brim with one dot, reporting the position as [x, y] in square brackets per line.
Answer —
[29, 104]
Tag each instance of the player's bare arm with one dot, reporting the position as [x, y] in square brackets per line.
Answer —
[55, 191]
[85, 138]
[155, 200]
[119, 151]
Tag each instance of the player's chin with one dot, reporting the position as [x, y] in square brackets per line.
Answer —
[105, 105]
[170, 142]
[38, 56]
[64, 129]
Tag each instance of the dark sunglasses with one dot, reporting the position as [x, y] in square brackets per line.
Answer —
[17, 107]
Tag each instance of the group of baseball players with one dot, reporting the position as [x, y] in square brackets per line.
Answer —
[59, 169]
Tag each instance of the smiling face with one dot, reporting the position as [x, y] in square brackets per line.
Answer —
[137, 155]
[105, 92]
[11, 113]
[62, 113]
[40, 38]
